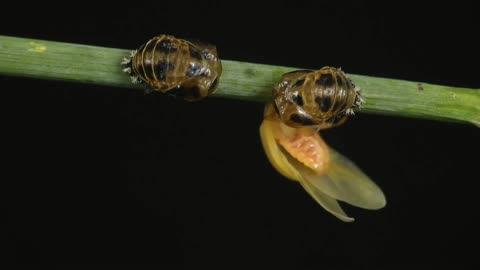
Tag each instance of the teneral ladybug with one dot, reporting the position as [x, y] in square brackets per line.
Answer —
[300, 154]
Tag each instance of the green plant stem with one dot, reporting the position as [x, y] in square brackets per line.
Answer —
[247, 81]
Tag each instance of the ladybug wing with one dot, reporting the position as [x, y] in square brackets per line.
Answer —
[343, 181]
[312, 184]
[289, 167]
[346, 182]
[275, 155]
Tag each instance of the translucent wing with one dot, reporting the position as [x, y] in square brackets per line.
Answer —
[343, 181]
[346, 182]
[276, 157]
[309, 181]
[330, 204]
[289, 167]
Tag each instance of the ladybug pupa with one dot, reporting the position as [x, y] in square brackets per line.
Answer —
[186, 69]
[322, 98]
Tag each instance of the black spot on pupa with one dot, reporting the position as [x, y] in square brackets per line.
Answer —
[307, 121]
[324, 103]
[297, 99]
[296, 118]
[299, 83]
[195, 54]
[301, 119]
[161, 70]
[326, 80]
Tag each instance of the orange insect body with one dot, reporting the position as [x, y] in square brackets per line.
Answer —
[301, 155]
[305, 145]
[309, 150]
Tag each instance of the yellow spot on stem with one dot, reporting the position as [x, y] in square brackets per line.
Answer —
[37, 47]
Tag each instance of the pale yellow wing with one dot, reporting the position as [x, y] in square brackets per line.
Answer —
[309, 181]
[289, 167]
[327, 202]
[278, 160]
[346, 182]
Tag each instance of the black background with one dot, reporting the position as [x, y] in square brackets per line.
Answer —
[109, 175]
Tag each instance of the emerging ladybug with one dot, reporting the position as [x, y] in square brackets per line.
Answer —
[304, 102]
[322, 98]
[176, 66]
[300, 154]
